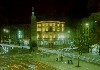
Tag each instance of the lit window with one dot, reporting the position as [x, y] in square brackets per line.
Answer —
[54, 36]
[37, 36]
[62, 25]
[43, 29]
[39, 25]
[50, 24]
[42, 24]
[53, 29]
[58, 29]
[62, 29]
[46, 36]
[43, 36]
[39, 29]
[50, 36]
[58, 24]
[46, 29]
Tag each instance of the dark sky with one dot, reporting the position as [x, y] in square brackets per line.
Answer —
[18, 11]
[55, 9]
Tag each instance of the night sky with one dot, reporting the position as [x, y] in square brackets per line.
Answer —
[20, 11]
[61, 8]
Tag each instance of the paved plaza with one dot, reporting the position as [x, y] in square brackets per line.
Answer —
[44, 61]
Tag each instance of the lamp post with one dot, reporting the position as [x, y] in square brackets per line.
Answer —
[87, 35]
[7, 36]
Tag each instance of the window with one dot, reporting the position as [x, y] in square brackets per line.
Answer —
[39, 29]
[50, 24]
[53, 29]
[62, 25]
[39, 25]
[42, 24]
[43, 29]
[46, 35]
[46, 29]
[54, 36]
[58, 25]
[58, 29]
[63, 29]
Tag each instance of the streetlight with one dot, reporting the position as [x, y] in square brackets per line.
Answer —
[87, 34]
[6, 31]
[68, 31]
[87, 24]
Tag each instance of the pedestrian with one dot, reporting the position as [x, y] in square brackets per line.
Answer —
[70, 62]
[61, 57]
[56, 59]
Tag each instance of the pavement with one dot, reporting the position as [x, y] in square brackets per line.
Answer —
[88, 57]
[46, 59]
[63, 65]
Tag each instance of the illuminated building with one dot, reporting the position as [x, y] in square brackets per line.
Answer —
[48, 33]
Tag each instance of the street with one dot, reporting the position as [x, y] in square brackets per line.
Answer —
[45, 60]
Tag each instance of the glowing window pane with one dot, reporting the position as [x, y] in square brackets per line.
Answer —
[62, 25]
[53, 29]
[58, 29]
[39, 29]
[46, 29]
[42, 24]
[58, 24]
[50, 24]
[43, 29]
[62, 29]
[39, 25]
[54, 36]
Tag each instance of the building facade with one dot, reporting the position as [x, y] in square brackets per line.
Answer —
[50, 33]
[15, 34]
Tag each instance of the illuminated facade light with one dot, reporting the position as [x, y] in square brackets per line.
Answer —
[42, 24]
[46, 36]
[39, 25]
[87, 24]
[43, 29]
[5, 30]
[46, 29]
[68, 31]
[49, 31]
[50, 24]
[58, 25]
[20, 35]
[54, 36]
[62, 25]
[62, 29]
